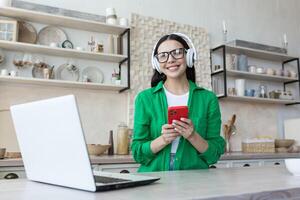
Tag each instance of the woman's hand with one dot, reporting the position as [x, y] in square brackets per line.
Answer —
[184, 127]
[168, 133]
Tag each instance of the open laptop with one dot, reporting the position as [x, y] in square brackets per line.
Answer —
[54, 151]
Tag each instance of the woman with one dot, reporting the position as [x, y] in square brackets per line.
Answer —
[193, 143]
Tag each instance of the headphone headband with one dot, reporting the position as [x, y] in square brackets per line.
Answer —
[190, 56]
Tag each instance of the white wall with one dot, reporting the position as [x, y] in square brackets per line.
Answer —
[262, 21]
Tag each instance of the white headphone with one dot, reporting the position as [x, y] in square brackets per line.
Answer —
[191, 54]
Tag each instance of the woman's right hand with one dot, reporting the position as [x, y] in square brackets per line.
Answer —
[168, 133]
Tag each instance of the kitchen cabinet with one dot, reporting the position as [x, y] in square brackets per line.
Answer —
[249, 163]
[119, 168]
[122, 32]
[6, 171]
[223, 76]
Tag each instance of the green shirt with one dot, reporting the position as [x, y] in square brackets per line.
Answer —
[151, 112]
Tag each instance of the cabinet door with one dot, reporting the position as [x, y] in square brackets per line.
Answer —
[275, 163]
[10, 172]
[247, 163]
[119, 168]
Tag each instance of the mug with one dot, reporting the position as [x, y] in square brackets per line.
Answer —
[4, 72]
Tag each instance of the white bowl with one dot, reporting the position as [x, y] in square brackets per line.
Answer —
[293, 165]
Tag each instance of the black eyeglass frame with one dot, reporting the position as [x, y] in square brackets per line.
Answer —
[171, 53]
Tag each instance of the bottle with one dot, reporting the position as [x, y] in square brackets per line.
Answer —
[122, 139]
[111, 142]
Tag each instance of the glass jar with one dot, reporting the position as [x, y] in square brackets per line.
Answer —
[122, 139]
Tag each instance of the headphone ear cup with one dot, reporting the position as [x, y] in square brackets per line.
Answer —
[156, 64]
[189, 58]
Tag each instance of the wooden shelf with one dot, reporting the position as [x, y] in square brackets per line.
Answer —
[264, 77]
[58, 20]
[60, 83]
[35, 48]
[259, 100]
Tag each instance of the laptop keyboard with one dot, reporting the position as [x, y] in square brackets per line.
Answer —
[105, 179]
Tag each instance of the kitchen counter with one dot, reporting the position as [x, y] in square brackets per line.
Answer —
[190, 184]
[125, 159]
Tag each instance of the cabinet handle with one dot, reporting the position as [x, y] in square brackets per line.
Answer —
[124, 171]
[212, 167]
[277, 163]
[246, 165]
[11, 176]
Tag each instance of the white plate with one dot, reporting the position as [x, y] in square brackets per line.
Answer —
[51, 34]
[94, 74]
[67, 72]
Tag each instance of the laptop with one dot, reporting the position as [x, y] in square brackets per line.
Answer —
[54, 151]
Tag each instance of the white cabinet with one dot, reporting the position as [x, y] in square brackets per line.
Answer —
[249, 163]
[12, 171]
[119, 168]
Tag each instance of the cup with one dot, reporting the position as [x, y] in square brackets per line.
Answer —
[252, 69]
[260, 70]
[250, 92]
[293, 74]
[4, 72]
[270, 71]
[123, 21]
[13, 73]
[240, 87]
[54, 44]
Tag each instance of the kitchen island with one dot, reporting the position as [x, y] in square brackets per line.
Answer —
[190, 184]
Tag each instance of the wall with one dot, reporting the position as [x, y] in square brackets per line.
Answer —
[260, 21]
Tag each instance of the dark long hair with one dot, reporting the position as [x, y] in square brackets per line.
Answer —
[190, 72]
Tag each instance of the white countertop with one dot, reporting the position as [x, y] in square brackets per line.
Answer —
[191, 184]
[123, 159]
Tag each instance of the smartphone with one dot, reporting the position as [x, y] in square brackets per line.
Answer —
[177, 112]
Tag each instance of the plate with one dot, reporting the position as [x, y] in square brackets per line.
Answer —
[93, 74]
[27, 33]
[51, 34]
[67, 72]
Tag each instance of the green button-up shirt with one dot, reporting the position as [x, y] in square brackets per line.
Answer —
[151, 112]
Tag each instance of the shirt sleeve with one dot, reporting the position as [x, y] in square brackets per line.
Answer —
[141, 141]
[216, 143]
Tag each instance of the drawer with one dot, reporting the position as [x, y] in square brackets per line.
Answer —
[220, 164]
[19, 171]
[123, 168]
[246, 163]
[275, 163]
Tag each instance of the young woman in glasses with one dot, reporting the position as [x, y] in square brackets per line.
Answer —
[188, 143]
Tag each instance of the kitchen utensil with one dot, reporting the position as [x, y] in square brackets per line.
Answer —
[262, 91]
[242, 62]
[122, 139]
[2, 152]
[67, 72]
[51, 34]
[270, 71]
[274, 94]
[260, 70]
[27, 33]
[252, 69]
[97, 149]
[284, 143]
[293, 74]
[250, 92]
[231, 123]
[286, 95]
[111, 143]
[93, 74]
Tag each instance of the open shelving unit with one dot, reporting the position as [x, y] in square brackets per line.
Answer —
[260, 54]
[70, 22]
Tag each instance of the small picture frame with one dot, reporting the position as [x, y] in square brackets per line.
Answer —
[9, 30]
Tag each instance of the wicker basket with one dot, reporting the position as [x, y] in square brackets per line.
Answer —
[258, 147]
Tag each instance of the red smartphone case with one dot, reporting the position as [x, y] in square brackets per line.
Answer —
[176, 112]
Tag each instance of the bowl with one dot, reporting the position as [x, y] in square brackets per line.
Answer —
[2, 153]
[97, 149]
[292, 165]
[283, 143]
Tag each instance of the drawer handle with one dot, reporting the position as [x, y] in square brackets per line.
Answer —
[11, 176]
[124, 171]
[212, 167]
[246, 165]
[277, 163]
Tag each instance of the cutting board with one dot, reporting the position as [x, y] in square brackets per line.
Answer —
[292, 130]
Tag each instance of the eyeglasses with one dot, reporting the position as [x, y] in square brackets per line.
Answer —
[176, 54]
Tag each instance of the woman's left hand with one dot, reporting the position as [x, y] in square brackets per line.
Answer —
[184, 127]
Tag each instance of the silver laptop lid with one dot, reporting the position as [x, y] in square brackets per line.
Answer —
[52, 143]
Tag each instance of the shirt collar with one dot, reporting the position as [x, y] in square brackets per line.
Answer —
[193, 87]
